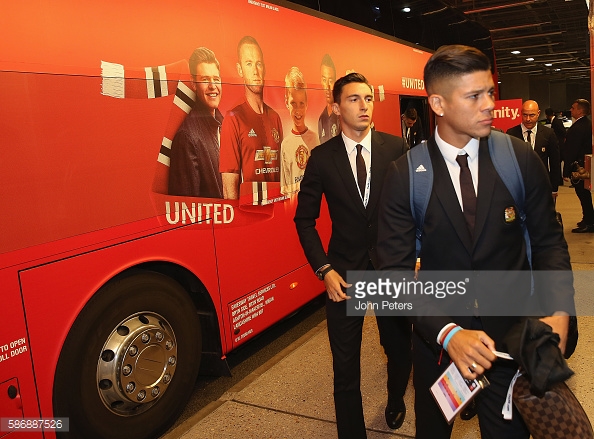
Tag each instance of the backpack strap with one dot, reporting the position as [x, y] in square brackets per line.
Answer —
[420, 172]
[506, 164]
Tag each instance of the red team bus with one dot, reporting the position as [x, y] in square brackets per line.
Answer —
[116, 288]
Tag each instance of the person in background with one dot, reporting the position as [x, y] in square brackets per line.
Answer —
[296, 147]
[557, 126]
[329, 122]
[252, 132]
[194, 165]
[541, 139]
[578, 143]
[412, 132]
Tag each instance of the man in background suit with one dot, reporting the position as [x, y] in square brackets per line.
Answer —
[541, 139]
[578, 142]
[556, 125]
[470, 224]
[412, 132]
[349, 171]
[559, 128]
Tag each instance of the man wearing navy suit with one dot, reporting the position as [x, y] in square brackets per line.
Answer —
[541, 139]
[462, 233]
[349, 171]
[578, 143]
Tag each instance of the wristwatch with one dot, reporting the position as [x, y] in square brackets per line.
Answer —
[322, 273]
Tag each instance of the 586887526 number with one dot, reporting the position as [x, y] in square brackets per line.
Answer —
[33, 424]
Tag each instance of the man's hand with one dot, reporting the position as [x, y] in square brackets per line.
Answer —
[334, 283]
[472, 352]
[560, 325]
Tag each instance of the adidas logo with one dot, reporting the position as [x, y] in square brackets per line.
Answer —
[421, 168]
[252, 133]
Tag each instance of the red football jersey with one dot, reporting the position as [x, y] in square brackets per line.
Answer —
[250, 143]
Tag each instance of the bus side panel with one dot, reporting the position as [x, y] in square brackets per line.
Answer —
[257, 310]
[16, 368]
[55, 293]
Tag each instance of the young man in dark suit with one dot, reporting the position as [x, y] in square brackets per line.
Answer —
[541, 139]
[470, 225]
[578, 142]
[349, 171]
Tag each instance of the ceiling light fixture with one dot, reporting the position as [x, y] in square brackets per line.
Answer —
[516, 52]
[406, 9]
[529, 59]
[549, 65]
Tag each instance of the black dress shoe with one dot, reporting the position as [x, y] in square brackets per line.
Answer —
[469, 411]
[582, 223]
[395, 414]
[584, 229]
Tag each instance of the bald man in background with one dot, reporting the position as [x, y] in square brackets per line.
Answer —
[542, 140]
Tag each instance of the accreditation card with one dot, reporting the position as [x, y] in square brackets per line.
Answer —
[453, 392]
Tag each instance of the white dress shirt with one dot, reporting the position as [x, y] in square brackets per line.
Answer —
[449, 153]
[532, 134]
[351, 149]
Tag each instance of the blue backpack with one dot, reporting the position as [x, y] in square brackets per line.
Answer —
[506, 164]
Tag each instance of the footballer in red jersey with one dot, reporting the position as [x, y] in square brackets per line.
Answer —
[252, 132]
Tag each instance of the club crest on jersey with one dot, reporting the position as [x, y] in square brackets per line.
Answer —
[266, 154]
[509, 214]
[275, 135]
[301, 156]
[252, 133]
[334, 130]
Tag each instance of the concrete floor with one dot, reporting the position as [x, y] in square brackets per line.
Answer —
[291, 395]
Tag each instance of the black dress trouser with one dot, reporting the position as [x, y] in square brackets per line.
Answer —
[345, 333]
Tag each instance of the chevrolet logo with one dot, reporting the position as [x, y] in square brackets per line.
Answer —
[266, 154]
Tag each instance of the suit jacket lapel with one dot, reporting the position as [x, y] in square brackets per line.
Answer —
[341, 161]
[486, 186]
[443, 188]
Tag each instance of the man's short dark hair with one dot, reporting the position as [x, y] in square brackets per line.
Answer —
[341, 82]
[411, 113]
[327, 61]
[202, 55]
[246, 40]
[451, 61]
[584, 105]
[549, 112]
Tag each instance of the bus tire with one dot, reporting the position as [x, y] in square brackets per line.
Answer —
[130, 361]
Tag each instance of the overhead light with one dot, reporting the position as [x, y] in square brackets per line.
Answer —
[529, 59]
[515, 52]
[406, 9]
[549, 64]
[498, 82]
[557, 70]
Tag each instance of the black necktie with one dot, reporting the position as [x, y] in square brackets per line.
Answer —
[467, 190]
[361, 171]
[528, 139]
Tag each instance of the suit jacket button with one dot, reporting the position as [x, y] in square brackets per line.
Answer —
[369, 225]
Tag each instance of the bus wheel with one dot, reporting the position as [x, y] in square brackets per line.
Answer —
[130, 360]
